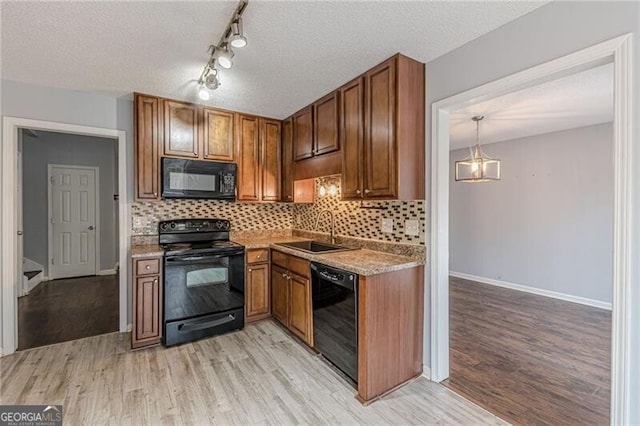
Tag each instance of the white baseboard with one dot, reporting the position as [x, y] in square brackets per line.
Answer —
[426, 372]
[533, 290]
[107, 272]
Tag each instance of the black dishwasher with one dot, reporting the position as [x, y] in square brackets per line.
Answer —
[335, 316]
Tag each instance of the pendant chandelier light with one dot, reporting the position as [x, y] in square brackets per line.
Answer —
[221, 54]
[478, 167]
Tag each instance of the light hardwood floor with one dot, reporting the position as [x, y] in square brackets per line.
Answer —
[529, 359]
[260, 375]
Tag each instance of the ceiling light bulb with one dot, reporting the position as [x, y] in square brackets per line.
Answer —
[203, 93]
[237, 39]
[225, 58]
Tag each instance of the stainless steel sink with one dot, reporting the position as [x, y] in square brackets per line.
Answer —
[314, 246]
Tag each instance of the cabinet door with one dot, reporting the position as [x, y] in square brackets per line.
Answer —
[258, 296]
[303, 134]
[270, 159]
[380, 138]
[300, 307]
[325, 124]
[180, 129]
[352, 138]
[280, 294]
[217, 135]
[248, 157]
[147, 311]
[287, 160]
[147, 141]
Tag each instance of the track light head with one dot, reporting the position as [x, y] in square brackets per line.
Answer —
[225, 57]
[213, 80]
[203, 93]
[237, 38]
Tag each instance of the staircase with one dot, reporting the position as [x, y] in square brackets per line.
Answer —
[32, 275]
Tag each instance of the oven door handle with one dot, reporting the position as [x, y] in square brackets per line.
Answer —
[192, 258]
[185, 328]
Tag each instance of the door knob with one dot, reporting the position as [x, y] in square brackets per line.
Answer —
[19, 232]
[91, 228]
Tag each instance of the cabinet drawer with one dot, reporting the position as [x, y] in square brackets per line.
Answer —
[257, 256]
[299, 266]
[147, 266]
[279, 258]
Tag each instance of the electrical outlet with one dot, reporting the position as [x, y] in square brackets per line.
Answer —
[411, 227]
[386, 225]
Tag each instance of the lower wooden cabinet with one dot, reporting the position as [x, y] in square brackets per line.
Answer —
[147, 302]
[257, 289]
[291, 294]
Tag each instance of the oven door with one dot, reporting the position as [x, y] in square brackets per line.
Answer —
[203, 295]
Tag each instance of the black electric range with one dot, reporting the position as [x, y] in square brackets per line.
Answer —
[203, 279]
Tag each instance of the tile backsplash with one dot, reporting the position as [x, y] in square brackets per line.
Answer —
[351, 220]
[145, 215]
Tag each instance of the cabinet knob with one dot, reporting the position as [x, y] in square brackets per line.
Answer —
[366, 191]
[155, 281]
[358, 191]
[284, 275]
[250, 269]
[289, 197]
[259, 256]
[147, 267]
[195, 154]
[155, 194]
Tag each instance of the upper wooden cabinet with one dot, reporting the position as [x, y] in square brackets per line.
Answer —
[148, 136]
[325, 124]
[386, 161]
[287, 160]
[258, 158]
[303, 134]
[217, 135]
[180, 129]
[315, 128]
[270, 138]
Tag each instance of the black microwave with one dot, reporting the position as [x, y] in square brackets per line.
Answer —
[183, 178]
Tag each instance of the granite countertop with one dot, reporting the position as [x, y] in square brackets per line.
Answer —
[360, 261]
[146, 250]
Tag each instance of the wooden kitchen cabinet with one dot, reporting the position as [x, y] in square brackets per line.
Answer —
[257, 289]
[325, 124]
[386, 159]
[180, 129]
[287, 160]
[258, 158]
[147, 302]
[291, 294]
[217, 135]
[303, 134]
[148, 136]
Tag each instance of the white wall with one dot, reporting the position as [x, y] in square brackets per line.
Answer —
[551, 31]
[74, 150]
[548, 223]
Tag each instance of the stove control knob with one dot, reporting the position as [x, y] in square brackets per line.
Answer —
[173, 225]
[164, 226]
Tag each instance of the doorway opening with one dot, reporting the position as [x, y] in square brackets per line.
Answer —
[68, 249]
[623, 313]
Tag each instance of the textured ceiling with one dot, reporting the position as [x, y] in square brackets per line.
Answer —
[297, 51]
[578, 100]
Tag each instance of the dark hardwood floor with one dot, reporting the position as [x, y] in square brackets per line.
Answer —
[68, 309]
[529, 359]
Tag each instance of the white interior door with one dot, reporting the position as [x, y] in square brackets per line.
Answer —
[72, 217]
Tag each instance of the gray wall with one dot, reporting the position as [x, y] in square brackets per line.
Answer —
[548, 223]
[71, 150]
[553, 30]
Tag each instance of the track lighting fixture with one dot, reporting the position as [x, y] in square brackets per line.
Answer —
[221, 54]
[225, 57]
[237, 39]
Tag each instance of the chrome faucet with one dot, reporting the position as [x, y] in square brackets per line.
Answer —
[333, 224]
